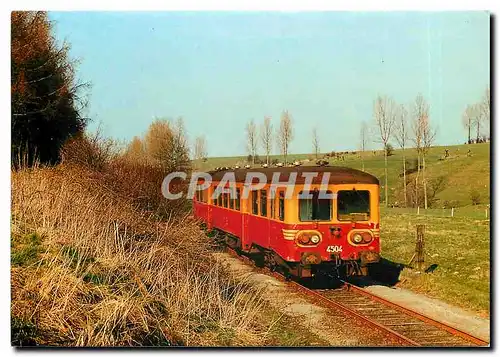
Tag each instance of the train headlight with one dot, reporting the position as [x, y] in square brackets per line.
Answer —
[315, 239]
[308, 238]
[357, 238]
[367, 238]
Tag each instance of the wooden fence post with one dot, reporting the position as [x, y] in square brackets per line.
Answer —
[418, 256]
[419, 247]
[452, 211]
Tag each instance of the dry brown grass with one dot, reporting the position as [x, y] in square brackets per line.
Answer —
[90, 268]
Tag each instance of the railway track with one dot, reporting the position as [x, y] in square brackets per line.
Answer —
[404, 326]
[408, 327]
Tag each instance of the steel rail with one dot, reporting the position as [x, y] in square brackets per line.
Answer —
[333, 304]
[429, 320]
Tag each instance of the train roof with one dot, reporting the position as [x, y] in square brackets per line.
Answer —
[338, 174]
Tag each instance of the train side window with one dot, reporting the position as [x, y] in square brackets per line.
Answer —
[263, 203]
[281, 206]
[237, 200]
[219, 199]
[199, 195]
[215, 197]
[255, 203]
[231, 199]
[271, 207]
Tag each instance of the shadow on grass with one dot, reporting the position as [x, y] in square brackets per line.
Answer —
[385, 272]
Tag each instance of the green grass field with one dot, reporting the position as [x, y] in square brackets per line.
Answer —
[460, 173]
[460, 246]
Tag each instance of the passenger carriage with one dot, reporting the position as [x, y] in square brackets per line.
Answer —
[302, 234]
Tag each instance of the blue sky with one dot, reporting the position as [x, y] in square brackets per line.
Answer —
[218, 70]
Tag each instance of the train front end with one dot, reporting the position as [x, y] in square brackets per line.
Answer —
[336, 230]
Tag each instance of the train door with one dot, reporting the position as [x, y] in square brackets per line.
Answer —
[245, 217]
[276, 219]
[265, 214]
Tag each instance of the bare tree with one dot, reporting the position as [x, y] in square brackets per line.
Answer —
[158, 142]
[363, 142]
[401, 135]
[486, 103]
[418, 112]
[165, 145]
[251, 131]
[285, 133]
[428, 136]
[315, 142]
[180, 143]
[266, 135]
[385, 115]
[485, 106]
[468, 118]
[423, 136]
[200, 148]
[478, 119]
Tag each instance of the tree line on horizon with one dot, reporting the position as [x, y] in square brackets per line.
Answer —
[267, 136]
[477, 116]
[411, 124]
[407, 125]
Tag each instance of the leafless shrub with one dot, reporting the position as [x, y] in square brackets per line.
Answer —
[91, 151]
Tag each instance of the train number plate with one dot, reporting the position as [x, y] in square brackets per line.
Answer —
[334, 248]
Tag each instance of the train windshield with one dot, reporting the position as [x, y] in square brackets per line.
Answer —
[315, 208]
[353, 205]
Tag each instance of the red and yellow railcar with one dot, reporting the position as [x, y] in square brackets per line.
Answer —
[304, 235]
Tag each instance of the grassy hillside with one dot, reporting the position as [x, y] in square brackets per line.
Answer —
[460, 173]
